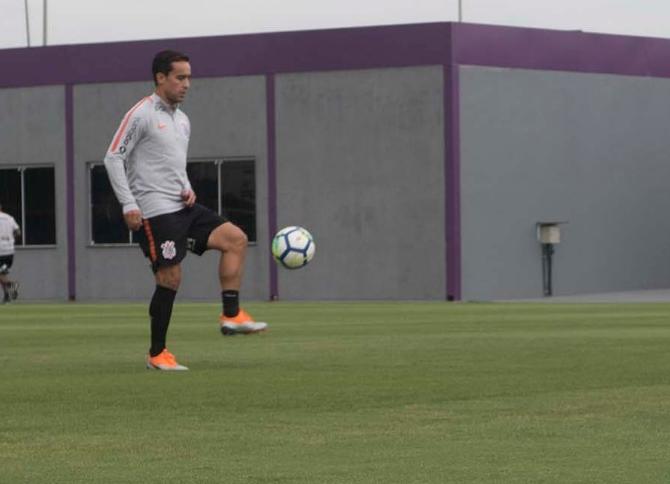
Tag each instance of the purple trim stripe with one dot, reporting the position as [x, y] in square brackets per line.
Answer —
[348, 48]
[574, 51]
[69, 193]
[452, 179]
[452, 174]
[272, 177]
[234, 55]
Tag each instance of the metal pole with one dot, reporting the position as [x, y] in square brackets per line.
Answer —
[24, 232]
[550, 252]
[27, 23]
[460, 10]
[547, 284]
[44, 34]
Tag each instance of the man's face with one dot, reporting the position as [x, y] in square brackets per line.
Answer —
[173, 87]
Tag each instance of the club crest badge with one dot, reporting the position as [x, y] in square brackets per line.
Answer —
[168, 250]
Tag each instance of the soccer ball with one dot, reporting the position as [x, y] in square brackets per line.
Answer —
[293, 247]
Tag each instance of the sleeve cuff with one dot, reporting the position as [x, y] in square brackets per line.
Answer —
[130, 206]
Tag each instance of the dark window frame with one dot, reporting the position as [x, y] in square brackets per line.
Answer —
[220, 163]
[90, 166]
[216, 161]
[25, 229]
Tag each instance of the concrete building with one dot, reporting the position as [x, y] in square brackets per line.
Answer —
[421, 157]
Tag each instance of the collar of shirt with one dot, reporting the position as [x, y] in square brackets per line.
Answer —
[158, 101]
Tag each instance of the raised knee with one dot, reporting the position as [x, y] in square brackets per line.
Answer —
[241, 239]
[234, 239]
[228, 237]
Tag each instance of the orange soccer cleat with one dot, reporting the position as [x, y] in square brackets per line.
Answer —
[243, 323]
[164, 361]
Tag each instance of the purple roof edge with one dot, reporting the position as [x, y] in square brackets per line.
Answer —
[347, 48]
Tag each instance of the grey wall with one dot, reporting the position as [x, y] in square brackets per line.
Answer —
[360, 163]
[32, 132]
[103, 272]
[589, 149]
[359, 160]
[228, 120]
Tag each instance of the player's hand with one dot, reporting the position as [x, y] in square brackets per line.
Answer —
[133, 219]
[188, 196]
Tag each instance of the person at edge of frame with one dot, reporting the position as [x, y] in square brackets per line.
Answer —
[9, 232]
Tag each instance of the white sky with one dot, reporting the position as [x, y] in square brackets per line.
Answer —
[86, 21]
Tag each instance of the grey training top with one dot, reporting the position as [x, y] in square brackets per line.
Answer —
[7, 228]
[146, 161]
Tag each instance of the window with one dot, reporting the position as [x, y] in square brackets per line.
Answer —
[204, 179]
[223, 185]
[107, 223]
[27, 193]
[238, 189]
[227, 186]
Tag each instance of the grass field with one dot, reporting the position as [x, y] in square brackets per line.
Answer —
[338, 393]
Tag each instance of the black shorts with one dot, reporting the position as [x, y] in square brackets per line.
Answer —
[166, 238]
[6, 262]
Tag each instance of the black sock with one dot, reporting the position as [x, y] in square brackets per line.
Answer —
[160, 311]
[231, 302]
[5, 290]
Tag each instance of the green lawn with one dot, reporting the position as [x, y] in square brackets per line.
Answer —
[338, 393]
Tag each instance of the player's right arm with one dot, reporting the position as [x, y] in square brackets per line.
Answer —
[124, 142]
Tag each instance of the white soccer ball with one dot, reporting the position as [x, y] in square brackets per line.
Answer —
[293, 247]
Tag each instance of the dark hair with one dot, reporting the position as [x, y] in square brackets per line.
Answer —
[163, 61]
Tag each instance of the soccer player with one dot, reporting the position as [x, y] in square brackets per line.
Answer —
[146, 164]
[9, 230]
